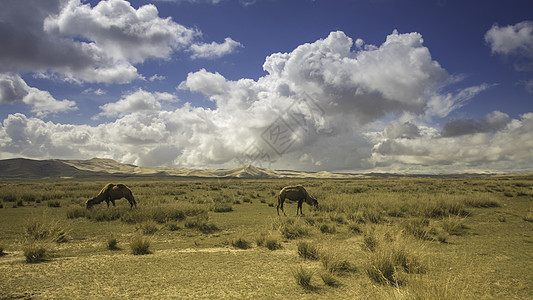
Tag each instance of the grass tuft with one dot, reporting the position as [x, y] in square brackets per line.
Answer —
[112, 243]
[147, 227]
[308, 251]
[140, 246]
[291, 229]
[41, 229]
[337, 263]
[241, 243]
[35, 253]
[303, 277]
[329, 279]
[392, 259]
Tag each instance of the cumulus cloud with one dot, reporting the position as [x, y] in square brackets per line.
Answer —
[333, 104]
[513, 40]
[80, 42]
[494, 147]
[214, 50]
[492, 122]
[13, 88]
[139, 101]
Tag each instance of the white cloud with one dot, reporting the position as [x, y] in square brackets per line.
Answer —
[139, 101]
[77, 42]
[214, 50]
[98, 92]
[490, 149]
[205, 82]
[156, 77]
[123, 32]
[513, 40]
[336, 106]
[13, 88]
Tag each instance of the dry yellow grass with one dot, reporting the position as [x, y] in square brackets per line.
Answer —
[482, 257]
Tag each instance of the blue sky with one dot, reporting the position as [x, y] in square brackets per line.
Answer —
[373, 85]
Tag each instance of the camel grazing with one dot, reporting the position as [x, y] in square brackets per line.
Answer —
[295, 193]
[112, 192]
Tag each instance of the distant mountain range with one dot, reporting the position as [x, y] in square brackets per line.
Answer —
[28, 168]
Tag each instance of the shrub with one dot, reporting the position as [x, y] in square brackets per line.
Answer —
[112, 243]
[528, 217]
[307, 251]
[35, 253]
[454, 225]
[418, 227]
[339, 218]
[241, 243]
[373, 215]
[303, 278]
[104, 214]
[336, 263]
[200, 223]
[147, 227]
[28, 197]
[329, 279]
[9, 198]
[54, 203]
[328, 228]
[267, 240]
[293, 230]
[173, 226]
[38, 229]
[482, 202]
[370, 242]
[76, 212]
[355, 228]
[140, 246]
[223, 208]
[391, 259]
[272, 243]
[445, 208]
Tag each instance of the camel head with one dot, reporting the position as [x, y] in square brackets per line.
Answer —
[91, 202]
[313, 202]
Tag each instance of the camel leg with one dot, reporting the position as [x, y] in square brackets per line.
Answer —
[107, 201]
[280, 204]
[112, 201]
[299, 207]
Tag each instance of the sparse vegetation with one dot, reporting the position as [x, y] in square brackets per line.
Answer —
[241, 243]
[329, 279]
[112, 243]
[303, 277]
[35, 253]
[386, 238]
[308, 251]
[140, 245]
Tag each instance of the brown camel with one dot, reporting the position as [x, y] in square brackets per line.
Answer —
[295, 193]
[112, 192]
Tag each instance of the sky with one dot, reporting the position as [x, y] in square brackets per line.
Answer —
[406, 86]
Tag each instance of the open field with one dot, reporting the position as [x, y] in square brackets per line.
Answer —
[387, 238]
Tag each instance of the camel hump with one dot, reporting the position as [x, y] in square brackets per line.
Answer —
[106, 188]
[294, 188]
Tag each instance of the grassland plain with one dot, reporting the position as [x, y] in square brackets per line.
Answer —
[381, 238]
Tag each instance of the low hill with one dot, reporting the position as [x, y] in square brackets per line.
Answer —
[28, 168]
